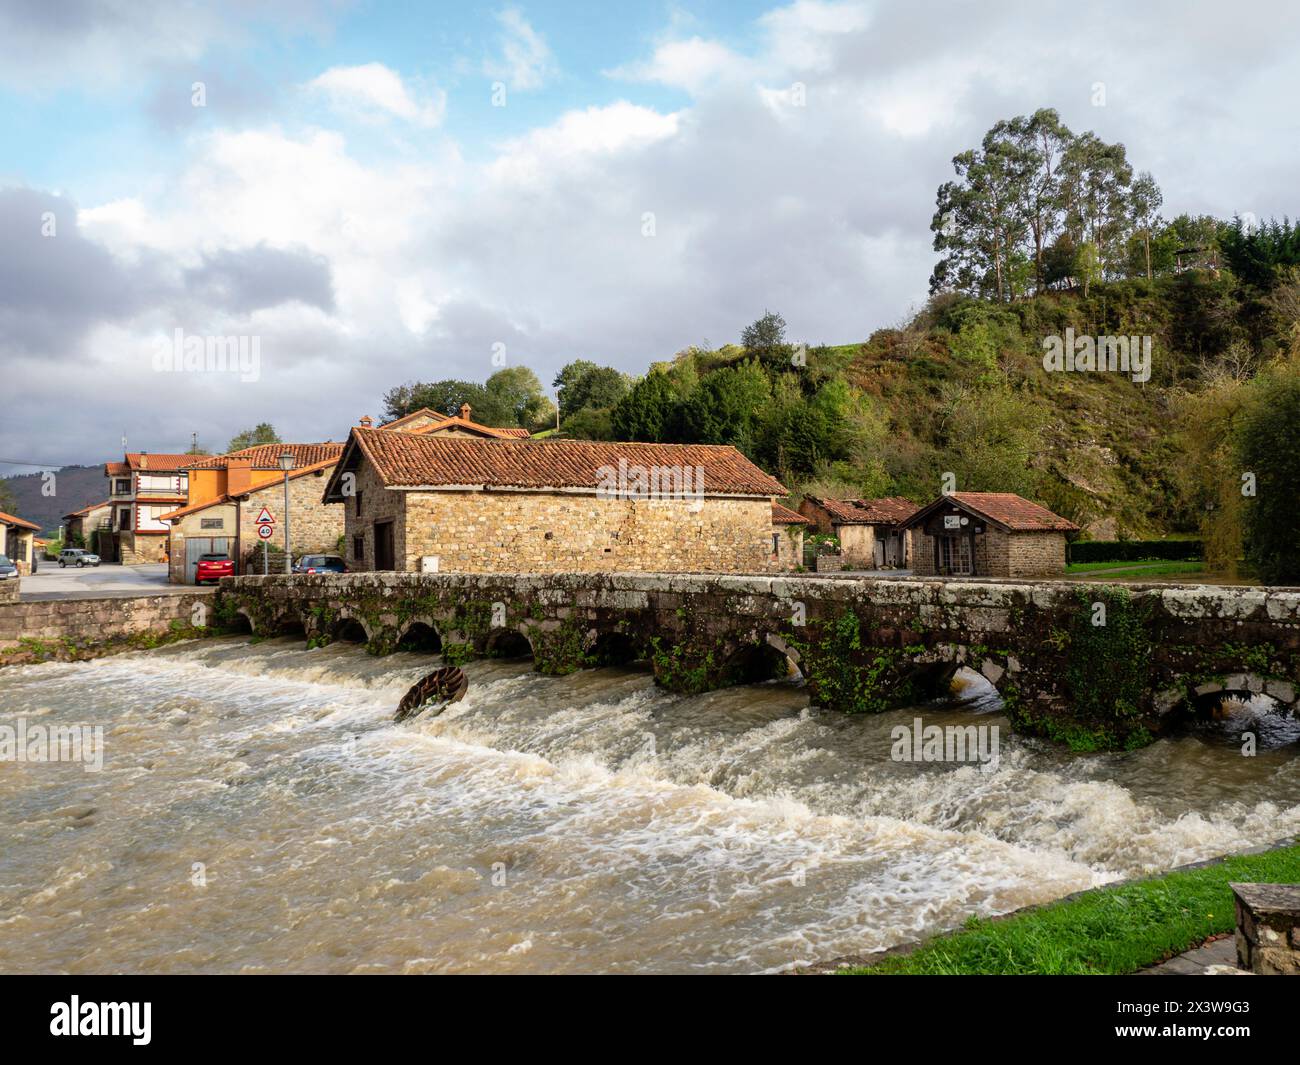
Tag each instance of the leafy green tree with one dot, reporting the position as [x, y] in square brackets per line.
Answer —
[583, 384]
[994, 437]
[725, 407]
[1268, 449]
[764, 340]
[262, 433]
[648, 412]
[514, 397]
[443, 397]
[589, 424]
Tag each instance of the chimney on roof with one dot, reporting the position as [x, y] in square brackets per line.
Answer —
[466, 410]
[239, 475]
[366, 421]
[144, 460]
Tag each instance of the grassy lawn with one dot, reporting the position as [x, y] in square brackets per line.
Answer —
[1133, 570]
[1108, 931]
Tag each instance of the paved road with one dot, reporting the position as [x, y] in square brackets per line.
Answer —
[50, 582]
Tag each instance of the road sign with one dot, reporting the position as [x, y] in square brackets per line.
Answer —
[265, 518]
[265, 531]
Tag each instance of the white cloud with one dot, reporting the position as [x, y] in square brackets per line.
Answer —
[374, 90]
[526, 60]
[692, 64]
[581, 138]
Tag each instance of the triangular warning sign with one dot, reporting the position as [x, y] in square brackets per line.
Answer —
[264, 518]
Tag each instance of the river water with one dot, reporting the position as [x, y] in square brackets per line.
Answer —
[259, 811]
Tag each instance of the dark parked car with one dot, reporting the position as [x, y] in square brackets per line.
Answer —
[8, 570]
[76, 556]
[213, 568]
[320, 564]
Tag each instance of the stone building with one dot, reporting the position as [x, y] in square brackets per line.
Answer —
[80, 527]
[870, 531]
[787, 537]
[987, 534]
[424, 502]
[17, 541]
[228, 493]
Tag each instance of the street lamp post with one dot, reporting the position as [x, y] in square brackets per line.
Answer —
[286, 464]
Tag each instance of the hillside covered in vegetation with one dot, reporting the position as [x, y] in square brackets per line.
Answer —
[1045, 238]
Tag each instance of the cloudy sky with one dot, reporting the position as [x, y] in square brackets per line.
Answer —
[379, 192]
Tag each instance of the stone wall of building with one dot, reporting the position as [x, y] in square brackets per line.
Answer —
[148, 547]
[65, 629]
[857, 545]
[314, 526]
[373, 502]
[1036, 554]
[546, 532]
[998, 553]
[789, 554]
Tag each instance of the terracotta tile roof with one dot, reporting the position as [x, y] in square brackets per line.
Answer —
[116, 469]
[785, 516]
[408, 460]
[87, 509]
[1003, 508]
[890, 510]
[473, 427]
[223, 499]
[157, 462]
[267, 456]
[444, 421]
[9, 519]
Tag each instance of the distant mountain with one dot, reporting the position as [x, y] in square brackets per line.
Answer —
[74, 488]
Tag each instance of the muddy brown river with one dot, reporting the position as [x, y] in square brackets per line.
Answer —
[257, 810]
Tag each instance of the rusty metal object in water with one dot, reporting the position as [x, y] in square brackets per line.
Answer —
[447, 684]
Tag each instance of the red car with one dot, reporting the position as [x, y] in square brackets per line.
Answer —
[213, 568]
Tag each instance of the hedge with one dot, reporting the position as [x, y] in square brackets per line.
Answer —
[1133, 550]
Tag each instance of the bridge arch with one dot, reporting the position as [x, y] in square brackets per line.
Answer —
[420, 635]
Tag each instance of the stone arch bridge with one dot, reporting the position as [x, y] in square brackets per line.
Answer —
[1096, 667]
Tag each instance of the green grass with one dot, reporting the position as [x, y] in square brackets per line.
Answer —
[1130, 570]
[1108, 931]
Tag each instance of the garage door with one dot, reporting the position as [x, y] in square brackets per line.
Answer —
[198, 546]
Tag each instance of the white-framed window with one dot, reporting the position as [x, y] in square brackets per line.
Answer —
[147, 517]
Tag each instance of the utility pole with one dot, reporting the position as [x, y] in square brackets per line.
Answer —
[286, 464]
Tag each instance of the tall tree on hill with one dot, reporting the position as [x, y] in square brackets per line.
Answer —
[262, 433]
[764, 340]
[1031, 191]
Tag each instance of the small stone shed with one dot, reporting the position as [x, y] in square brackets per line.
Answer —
[870, 531]
[987, 534]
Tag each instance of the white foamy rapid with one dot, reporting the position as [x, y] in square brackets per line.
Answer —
[259, 811]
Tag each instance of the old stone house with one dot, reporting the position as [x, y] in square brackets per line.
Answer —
[870, 531]
[422, 502]
[228, 494]
[987, 534]
[80, 527]
[17, 541]
[787, 537]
